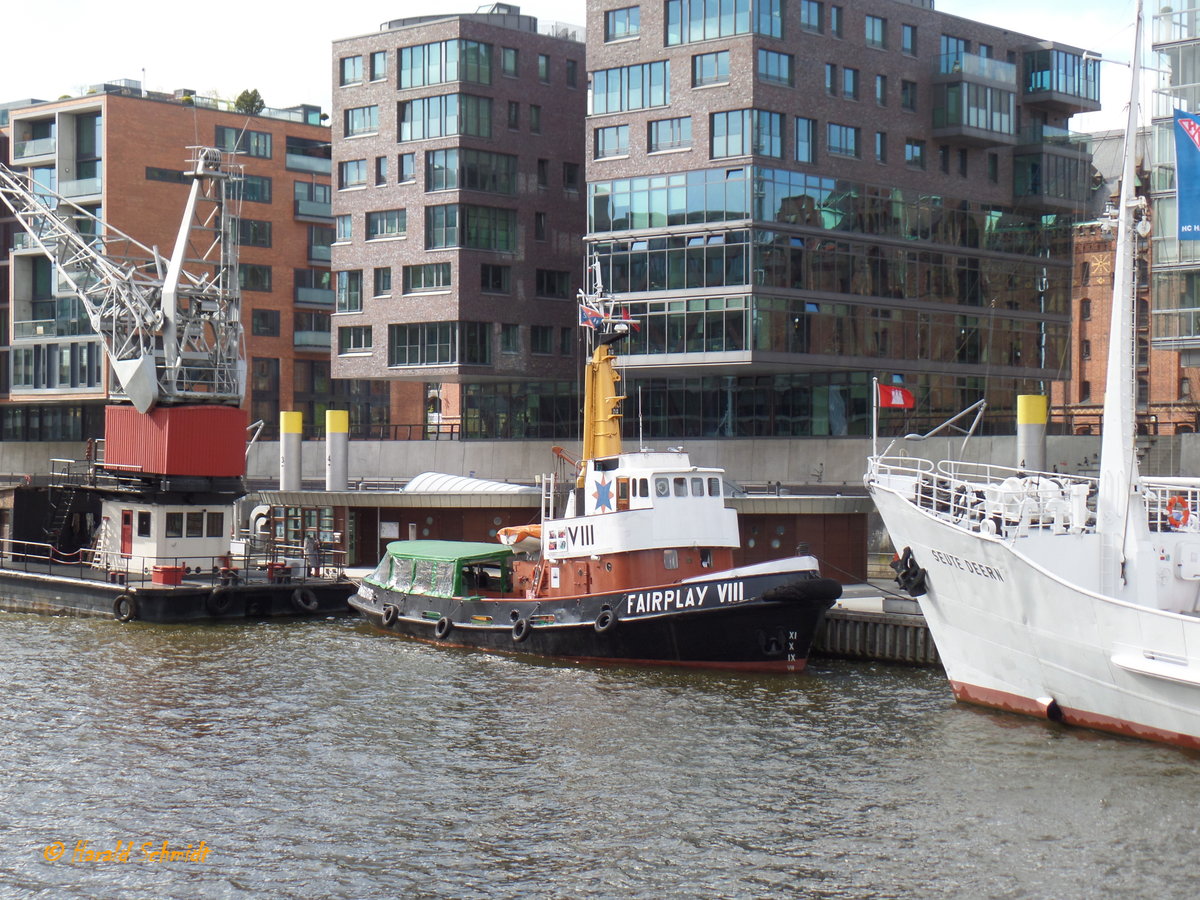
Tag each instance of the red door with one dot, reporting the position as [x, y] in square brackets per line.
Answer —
[127, 533]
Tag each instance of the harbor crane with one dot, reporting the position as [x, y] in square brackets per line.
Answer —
[171, 328]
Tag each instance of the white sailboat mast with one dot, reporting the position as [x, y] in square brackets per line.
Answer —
[1118, 458]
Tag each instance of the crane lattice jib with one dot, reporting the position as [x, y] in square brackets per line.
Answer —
[171, 329]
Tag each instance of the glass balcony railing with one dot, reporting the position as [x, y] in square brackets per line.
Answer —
[1050, 134]
[300, 163]
[83, 187]
[973, 66]
[321, 209]
[39, 147]
[320, 253]
[23, 241]
[316, 296]
[311, 340]
[34, 328]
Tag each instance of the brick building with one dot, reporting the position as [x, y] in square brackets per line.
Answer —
[120, 153]
[458, 165]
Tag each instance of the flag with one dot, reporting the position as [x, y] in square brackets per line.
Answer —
[895, 397]
[590, 318]
[1187, 175]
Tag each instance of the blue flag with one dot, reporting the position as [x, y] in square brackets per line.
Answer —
[1187, 174]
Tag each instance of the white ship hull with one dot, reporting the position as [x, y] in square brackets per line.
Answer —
[1017, 635]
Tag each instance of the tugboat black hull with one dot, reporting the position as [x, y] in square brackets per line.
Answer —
[763, 623]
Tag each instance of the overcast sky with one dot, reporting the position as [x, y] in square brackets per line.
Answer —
[219, 48]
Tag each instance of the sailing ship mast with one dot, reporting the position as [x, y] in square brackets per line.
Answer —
[1118, 458]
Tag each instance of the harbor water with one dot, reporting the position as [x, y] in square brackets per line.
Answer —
[320, 759]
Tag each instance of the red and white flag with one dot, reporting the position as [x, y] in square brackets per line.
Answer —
[895, 397]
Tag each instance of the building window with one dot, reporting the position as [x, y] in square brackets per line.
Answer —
[835, 21]
[1085, 391]
[421, 344]
[383, 281]
[701, 20]
[744, 131]
[255, 188]
[806, 132]
[476, 227]
[914, 154]
[539, 226]
[361, 120]
[445, 115]
[831, 85]
[510, 338]
[386, 223]
[535, 118]
[342, 229]
[407, 170]
[543, 174]
[476, 170]
[445, 61]
[495, 279]
[254, 233]
[541, 339]
[944, 158]
[631, 87]
[264, 322]
[251, 143]
[351, 70]
[543, 68]
[881, 90]
[622, 23]
[612, 140]
[554, 284]
[379, 66]
[1085, 273]
[669, 134]
[843, 140]
[174, 525]
[850, 83]
[253, 277]
[881, 146]
[811, 16]
[570, 176]
[776, 68]
[710, 68]
[427, 277]
[514, 114]
[352, 173]
[962, 162]
[354, 339]
[875, 32]
[1085, 349]
[572, 73]
[508, 61]
[993, 162]
[908, 95]
[381, 170]
[349, 291]
[908, 40]
[1085, 307]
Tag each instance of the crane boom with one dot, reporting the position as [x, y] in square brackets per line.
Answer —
[172, 329]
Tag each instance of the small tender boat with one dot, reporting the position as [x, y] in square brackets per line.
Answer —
[638, 567]
[1066, 597]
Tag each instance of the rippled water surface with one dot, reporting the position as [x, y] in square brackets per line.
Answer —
[319, 759]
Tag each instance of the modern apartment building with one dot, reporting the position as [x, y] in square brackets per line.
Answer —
[795, 197]
[120, 153]
[458, 161]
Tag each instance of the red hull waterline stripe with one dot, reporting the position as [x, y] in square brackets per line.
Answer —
[789, 666]
[969, 693]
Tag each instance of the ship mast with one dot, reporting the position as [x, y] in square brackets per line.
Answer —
[601, 396]
[1118, 459]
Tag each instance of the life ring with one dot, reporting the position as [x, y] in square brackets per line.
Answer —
[442, 628]
[1178, 512]
[218, 601]
[520, 630]
[304, 600]
[390, 614]
[124, 608]
[605, 621]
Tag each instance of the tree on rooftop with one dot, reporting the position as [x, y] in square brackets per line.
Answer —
[249, 102]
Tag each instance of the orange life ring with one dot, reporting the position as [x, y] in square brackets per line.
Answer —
[1178, 511]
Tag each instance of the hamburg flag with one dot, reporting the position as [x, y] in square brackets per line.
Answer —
[895, 397]
[1187, 174]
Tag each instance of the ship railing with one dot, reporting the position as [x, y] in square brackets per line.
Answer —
[285, 564]
[1172, 504]
[990, 499]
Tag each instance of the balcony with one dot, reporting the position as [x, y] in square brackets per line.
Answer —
[314, 210]
[26, 150]
[312, 340]
[969, 67]
[321, 254]
[298, 162]
[34, 328]
[315, 296]
[1061, 80]
[83, 187]
[23, 241]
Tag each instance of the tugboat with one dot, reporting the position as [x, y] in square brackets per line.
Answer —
[637, 568]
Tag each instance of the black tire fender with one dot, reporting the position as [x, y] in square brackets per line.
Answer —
[520, 630]
[125, 608]
[304, 600]
[442, 628]
[390, 615]
[605, 622]
[219, 601]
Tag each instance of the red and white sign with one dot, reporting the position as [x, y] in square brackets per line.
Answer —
[895, 397]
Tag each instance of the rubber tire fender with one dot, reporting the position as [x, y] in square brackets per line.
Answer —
[304, 600]
[520, 630]
[605, 622]
[390, 615]
[124, 608]
[442, 628]
[219, 601]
